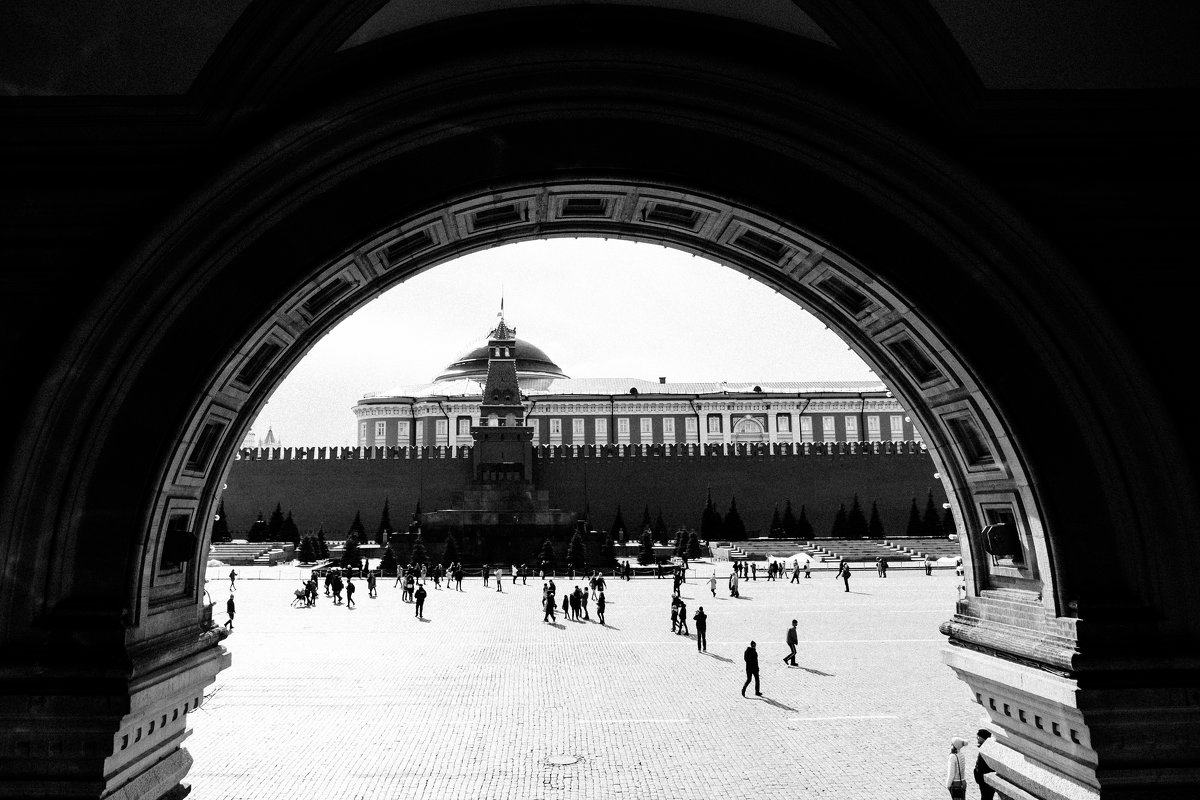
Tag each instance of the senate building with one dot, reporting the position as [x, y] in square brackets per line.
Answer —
[597, 411]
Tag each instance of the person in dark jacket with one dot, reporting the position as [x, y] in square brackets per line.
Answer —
[701, 630]
[751, 658]
[982, 768]
[230, 608]
[420, 596]
[844, 574]
[792, 641]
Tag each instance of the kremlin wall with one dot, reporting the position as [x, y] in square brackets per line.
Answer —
[324, 487]
[594, 445]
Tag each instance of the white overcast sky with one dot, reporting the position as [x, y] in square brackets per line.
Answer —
[599, 309]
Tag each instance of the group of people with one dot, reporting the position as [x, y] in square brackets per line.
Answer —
[575, 603]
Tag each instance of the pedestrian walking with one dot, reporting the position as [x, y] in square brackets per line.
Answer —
[795, 571]
[371, 585]
[712, 583]
[807, 568]
[956, 769]
[232, 579]
[751, 659]
[844, 574]
[754, 572]
[230, 608]
[499, 579]
[514, 574]
[701, 630]
[485, 572]
[674, 614]
[792, 641]
[982, 768]
[683, 626]
[883, 566]
[548, 605]
[879, 566]
[524, 573]
[733, 585]
[600, 604]
[584, 603]
[566, 604]
[928, 566]
[349, 592]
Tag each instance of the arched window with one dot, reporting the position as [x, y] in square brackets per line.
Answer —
[749, 429]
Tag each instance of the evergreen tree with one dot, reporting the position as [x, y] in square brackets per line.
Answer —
[258, 531]
[646, 523]
[948, 526]
[693, 549]
[289, 531]
[415, 524]
[804, 528]
[712, 527]
[385, 524]
[661, 533]
[308, 550]
[322, 547]
[351, 557]
[418, 555]
[681, 542]
[914, 520]
[576, 552]
[839, 523]
[791, 528]
[450, 553]
[646, 551]
[776, 528]
[547, 553]
[356, 527]
[275, 525]
[220, 529]
[875, 526]
[735, 529]
[607, 552]
[931, 523]
[387, 564]
[617, 529]
[856, 523]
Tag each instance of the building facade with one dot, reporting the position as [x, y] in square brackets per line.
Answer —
[579, 411]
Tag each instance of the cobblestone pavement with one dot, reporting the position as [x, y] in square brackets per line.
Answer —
[484, 700]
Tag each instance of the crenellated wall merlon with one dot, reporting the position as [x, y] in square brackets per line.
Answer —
[690, 450]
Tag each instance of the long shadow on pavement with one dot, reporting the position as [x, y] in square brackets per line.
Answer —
[718, 658]
[818, 672]
[777, 704]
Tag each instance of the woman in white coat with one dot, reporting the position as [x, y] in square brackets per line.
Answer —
[956, 768]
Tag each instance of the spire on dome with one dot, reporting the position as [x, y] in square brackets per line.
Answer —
[502, 332]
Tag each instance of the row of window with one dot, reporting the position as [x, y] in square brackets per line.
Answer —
[744, 428]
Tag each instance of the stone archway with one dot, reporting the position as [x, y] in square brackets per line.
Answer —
[932, 280]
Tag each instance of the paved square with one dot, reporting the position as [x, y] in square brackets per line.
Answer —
[484, 700]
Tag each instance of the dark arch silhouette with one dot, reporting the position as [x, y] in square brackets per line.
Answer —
[1035, 403]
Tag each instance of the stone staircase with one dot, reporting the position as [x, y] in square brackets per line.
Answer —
[249, 554]
[928, 547]
[856, 550]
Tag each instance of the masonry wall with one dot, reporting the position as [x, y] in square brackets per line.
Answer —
[325, 488]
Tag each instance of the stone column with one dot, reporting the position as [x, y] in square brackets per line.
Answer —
[1122, 723]
[82, 716]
